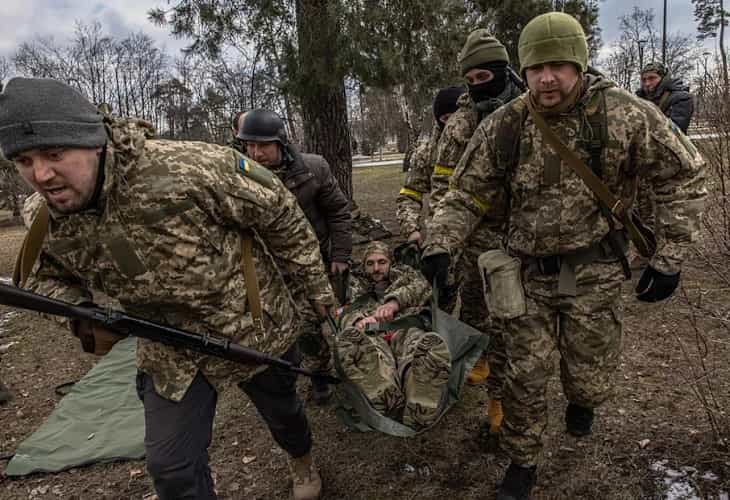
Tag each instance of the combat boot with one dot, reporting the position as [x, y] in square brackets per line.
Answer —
[307, 483]
[517, 483]
[5, 395]
[425, 381]
[480, 372]
[578, 420]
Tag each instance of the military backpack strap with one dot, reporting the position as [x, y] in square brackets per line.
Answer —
[508, 151]
[645, 244]
[663, 101]
[30, 250]
[252, 285]
[596, 143]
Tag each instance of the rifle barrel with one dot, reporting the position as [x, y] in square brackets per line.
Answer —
[125, 324]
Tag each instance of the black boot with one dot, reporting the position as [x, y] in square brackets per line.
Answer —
[517, 483]
[578, 420]
[5, 395]
[321, 391]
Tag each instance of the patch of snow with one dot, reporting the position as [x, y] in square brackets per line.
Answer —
[5, 281]
[677, 482]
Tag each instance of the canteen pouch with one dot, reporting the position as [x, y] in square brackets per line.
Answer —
[502, 280]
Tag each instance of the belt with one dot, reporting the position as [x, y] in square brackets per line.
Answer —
[564, 264]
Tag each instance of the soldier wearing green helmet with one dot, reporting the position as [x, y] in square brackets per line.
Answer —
[555, 284]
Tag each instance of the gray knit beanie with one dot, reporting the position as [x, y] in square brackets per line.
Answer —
[42, 113]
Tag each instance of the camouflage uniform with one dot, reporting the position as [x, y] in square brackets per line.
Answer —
[418, 183]
[405, 371]
[552, 213]
[167, 244]
[487, 235]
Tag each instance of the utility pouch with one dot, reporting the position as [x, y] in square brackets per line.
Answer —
[502, 280]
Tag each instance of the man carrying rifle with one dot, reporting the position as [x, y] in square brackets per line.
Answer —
[556, 284]
[162, 227]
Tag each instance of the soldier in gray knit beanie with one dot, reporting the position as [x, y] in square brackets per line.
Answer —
[37, 113]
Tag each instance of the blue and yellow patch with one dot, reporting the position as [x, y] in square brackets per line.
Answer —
[256, 172]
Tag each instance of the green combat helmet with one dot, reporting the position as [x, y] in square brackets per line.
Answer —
[552, 37]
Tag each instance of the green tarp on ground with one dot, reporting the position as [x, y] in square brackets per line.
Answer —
[99, 420]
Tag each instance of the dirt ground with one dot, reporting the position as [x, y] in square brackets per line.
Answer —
[652, 440]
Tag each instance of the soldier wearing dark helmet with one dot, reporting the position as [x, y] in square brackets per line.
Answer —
[309, 178]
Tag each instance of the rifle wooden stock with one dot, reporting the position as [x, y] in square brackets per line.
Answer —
[125, 324]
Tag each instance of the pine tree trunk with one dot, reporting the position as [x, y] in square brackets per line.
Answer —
[320, 88]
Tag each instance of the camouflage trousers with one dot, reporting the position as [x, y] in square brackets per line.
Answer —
[585, 329]
[473, 310]
[404, 378]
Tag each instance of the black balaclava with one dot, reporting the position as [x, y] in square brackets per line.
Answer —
[494, 87]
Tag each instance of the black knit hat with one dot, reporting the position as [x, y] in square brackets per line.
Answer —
[42, 113]
[445, 101]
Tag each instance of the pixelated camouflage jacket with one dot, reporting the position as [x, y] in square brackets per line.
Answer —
[405, 284]
[453, 141]
[417, 184]
[552, 210]
[167, 244]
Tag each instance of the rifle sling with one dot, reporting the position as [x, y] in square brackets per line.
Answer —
[252, 285]
[31, 247]
[614, 205]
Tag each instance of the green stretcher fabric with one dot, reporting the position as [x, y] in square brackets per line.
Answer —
[465, 343]
[99, 420]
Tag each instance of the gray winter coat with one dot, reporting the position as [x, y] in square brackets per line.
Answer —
[679, 105]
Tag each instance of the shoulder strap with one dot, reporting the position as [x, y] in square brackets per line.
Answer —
[31, 247]
[663, 101]
[596, 143]
[252, 285]
[615, 205]
[508, 152]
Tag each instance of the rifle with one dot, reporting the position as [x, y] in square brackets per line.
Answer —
[126, 324]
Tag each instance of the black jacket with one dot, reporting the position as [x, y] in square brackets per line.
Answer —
[310, 179]
[679, 106]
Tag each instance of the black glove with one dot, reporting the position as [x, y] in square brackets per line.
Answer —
[436, 267]
[654, 286]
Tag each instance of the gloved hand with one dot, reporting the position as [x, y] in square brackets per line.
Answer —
[654, 286]
[436, 267]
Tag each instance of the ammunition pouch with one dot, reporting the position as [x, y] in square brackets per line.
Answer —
[502, 279]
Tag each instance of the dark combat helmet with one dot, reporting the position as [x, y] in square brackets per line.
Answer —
[262, 125]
